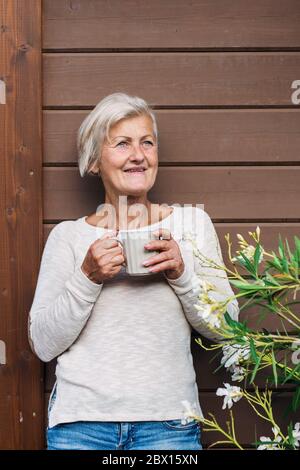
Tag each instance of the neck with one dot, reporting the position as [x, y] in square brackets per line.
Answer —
[127, 212]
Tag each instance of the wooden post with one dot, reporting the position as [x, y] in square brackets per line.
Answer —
[21, 373]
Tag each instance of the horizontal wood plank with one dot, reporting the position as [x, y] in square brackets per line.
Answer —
[196, 136]
[177, 79]
[170, 24]
[227, 192]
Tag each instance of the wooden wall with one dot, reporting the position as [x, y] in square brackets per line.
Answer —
[21, 243]
[219, 76]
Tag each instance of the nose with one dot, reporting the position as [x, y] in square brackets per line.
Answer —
[137, 153]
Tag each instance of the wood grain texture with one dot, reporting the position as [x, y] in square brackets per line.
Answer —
[227, 192]
[197, 136]
[172, 24]
[21, 379]
[177, 79]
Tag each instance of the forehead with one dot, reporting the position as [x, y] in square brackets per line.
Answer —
[133, 127]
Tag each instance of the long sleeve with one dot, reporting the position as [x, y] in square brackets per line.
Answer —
[187, 286]
[63, 300]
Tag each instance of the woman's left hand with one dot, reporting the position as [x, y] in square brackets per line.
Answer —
[169, 259]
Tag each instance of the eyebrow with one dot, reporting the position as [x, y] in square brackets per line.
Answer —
[127, 137]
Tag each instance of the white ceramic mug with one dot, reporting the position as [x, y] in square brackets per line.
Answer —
[132, 243]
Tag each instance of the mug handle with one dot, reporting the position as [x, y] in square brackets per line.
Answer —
[122, 245]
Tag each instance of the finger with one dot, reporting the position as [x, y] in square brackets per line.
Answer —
[159, 245]
[117, 260]
[157, 259]
[170, 264]
[163, 233]
[98, 251]
[110, 243]
[109, 234]
[105, 239]
[114, 260]
[116, 250]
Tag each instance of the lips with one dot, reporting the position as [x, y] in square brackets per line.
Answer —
[135, 170]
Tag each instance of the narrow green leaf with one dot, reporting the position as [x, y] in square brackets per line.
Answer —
[256, 257]
[257, 364]
[275, 262]
[253, 351]
[274, 368]
[292, 373]
[281, 247]
[246, 263]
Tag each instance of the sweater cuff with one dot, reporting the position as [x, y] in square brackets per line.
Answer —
[183, 283]
[83, 287]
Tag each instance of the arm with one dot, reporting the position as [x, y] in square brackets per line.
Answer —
[63, 300]
[187, 286]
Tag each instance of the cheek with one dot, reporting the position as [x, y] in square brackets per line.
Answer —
[153, 154]
[153, 161]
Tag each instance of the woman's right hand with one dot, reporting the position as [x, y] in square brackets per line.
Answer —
[103, 259]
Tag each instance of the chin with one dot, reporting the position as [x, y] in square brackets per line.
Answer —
[137, 189]
[136, 192]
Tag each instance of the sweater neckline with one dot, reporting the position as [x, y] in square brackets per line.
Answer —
[83, 222]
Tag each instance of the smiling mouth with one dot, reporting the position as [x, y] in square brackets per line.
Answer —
[135, 172]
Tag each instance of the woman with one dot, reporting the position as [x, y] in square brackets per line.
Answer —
[125, 375]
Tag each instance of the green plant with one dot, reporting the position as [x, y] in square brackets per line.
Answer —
[270, 282]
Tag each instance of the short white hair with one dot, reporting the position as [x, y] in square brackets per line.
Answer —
[96, 126]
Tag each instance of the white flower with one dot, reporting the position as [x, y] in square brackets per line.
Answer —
[214, 321]
[296, 434]
[189, 413]
[248, 251]
[208, 313]
[270, 444]
[201, 285]
[196, 283]
[234, 354]
[275, 431]
[231, 394]
[206, 286]
[209, 309]
[238, 373]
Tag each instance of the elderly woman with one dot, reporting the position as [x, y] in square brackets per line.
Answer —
[124, 377]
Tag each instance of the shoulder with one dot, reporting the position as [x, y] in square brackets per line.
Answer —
[195, 215]
[72, 236]
[192, 220]
[65, 230]
[197, 222]
[59, 245]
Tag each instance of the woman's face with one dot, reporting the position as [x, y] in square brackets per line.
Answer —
[132, 146]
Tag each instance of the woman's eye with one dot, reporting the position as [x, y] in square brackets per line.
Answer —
[124, 143]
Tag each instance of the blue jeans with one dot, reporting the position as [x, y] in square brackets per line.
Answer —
[135, 435]
[116, 435]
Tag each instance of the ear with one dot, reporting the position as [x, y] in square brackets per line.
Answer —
[94, 169]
